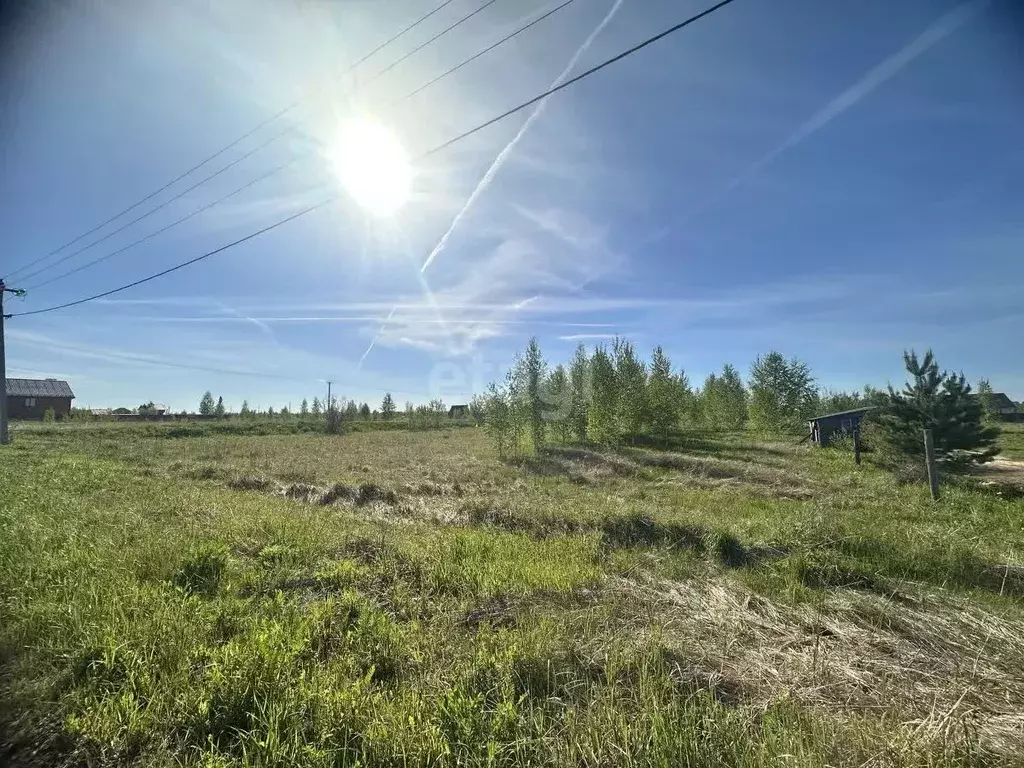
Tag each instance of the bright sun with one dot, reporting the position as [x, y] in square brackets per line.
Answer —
[373, 166]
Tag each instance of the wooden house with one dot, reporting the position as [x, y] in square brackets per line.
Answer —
[824, 428]
[31, 398]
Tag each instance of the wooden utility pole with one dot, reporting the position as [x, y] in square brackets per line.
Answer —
[4, 436]
[929, 457]
[327, 410]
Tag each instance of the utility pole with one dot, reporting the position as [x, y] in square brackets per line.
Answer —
[4, 436]
[328, 408]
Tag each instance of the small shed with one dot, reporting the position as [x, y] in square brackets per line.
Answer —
[824, 428]
[31, 398]
[458, 412]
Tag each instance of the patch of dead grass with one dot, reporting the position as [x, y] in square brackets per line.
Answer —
[938, 664]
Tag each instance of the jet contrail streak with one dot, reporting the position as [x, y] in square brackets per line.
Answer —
[499, 161]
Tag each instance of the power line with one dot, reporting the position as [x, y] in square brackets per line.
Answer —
[447, 73]
[436, 37]
[151, 235]
[183, 264]
[428, 153]
[164, 204]
[577, 78]
[276, 116]
[488, 49]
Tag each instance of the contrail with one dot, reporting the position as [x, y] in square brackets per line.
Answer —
[940, 29]
[499, 161]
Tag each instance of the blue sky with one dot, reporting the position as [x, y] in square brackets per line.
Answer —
[837, 181]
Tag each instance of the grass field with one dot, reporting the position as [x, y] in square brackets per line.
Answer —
[1011, 441]
[405, 598]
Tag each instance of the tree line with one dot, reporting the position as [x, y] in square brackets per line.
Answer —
[339, 410]
[609, 395]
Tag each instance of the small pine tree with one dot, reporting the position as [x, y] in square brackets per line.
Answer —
[244, 411]
[317, 408]
[304, 407]
[364, 410]
[942, 402]
[351, 410]
[219, 410]
[206, 405]
[387, 407]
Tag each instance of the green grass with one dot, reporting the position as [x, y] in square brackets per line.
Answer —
[1011, 441]
[727, 602]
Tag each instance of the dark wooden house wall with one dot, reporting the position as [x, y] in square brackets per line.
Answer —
[17, 409]
[833, 425]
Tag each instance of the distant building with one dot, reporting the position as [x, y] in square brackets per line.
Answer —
[1003, 404]
[1006, 408]
[458, 412]
[824, 428]
[31, 398]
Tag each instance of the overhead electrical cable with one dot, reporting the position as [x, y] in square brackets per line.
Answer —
[273, 118]
[466, 134]
[280, 168]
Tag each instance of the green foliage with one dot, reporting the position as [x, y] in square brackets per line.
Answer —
[498, 420]
[602, 411]
[245, 412]
[782, 394]
[387, 407]
[989, 412]
[940, 401]
[556, 400]
[304, 407]
[478, 409]
[202, 570]
[666, 394]
[632, 409]
[206, 404]
[723, 400]
[364, 410]
[351, 410]
[525, 387]
[579, 370]
[49, 415]
[832, 401]
[317, 408]
[219, 409]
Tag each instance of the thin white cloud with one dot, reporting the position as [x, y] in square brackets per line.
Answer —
[589, 336]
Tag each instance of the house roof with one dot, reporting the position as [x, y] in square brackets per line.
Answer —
[38, 388]
[865, 409]
[1001, 401]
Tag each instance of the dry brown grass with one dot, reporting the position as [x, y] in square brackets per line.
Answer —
[940, 665]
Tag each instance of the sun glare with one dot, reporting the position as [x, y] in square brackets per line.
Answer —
[373, 166]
